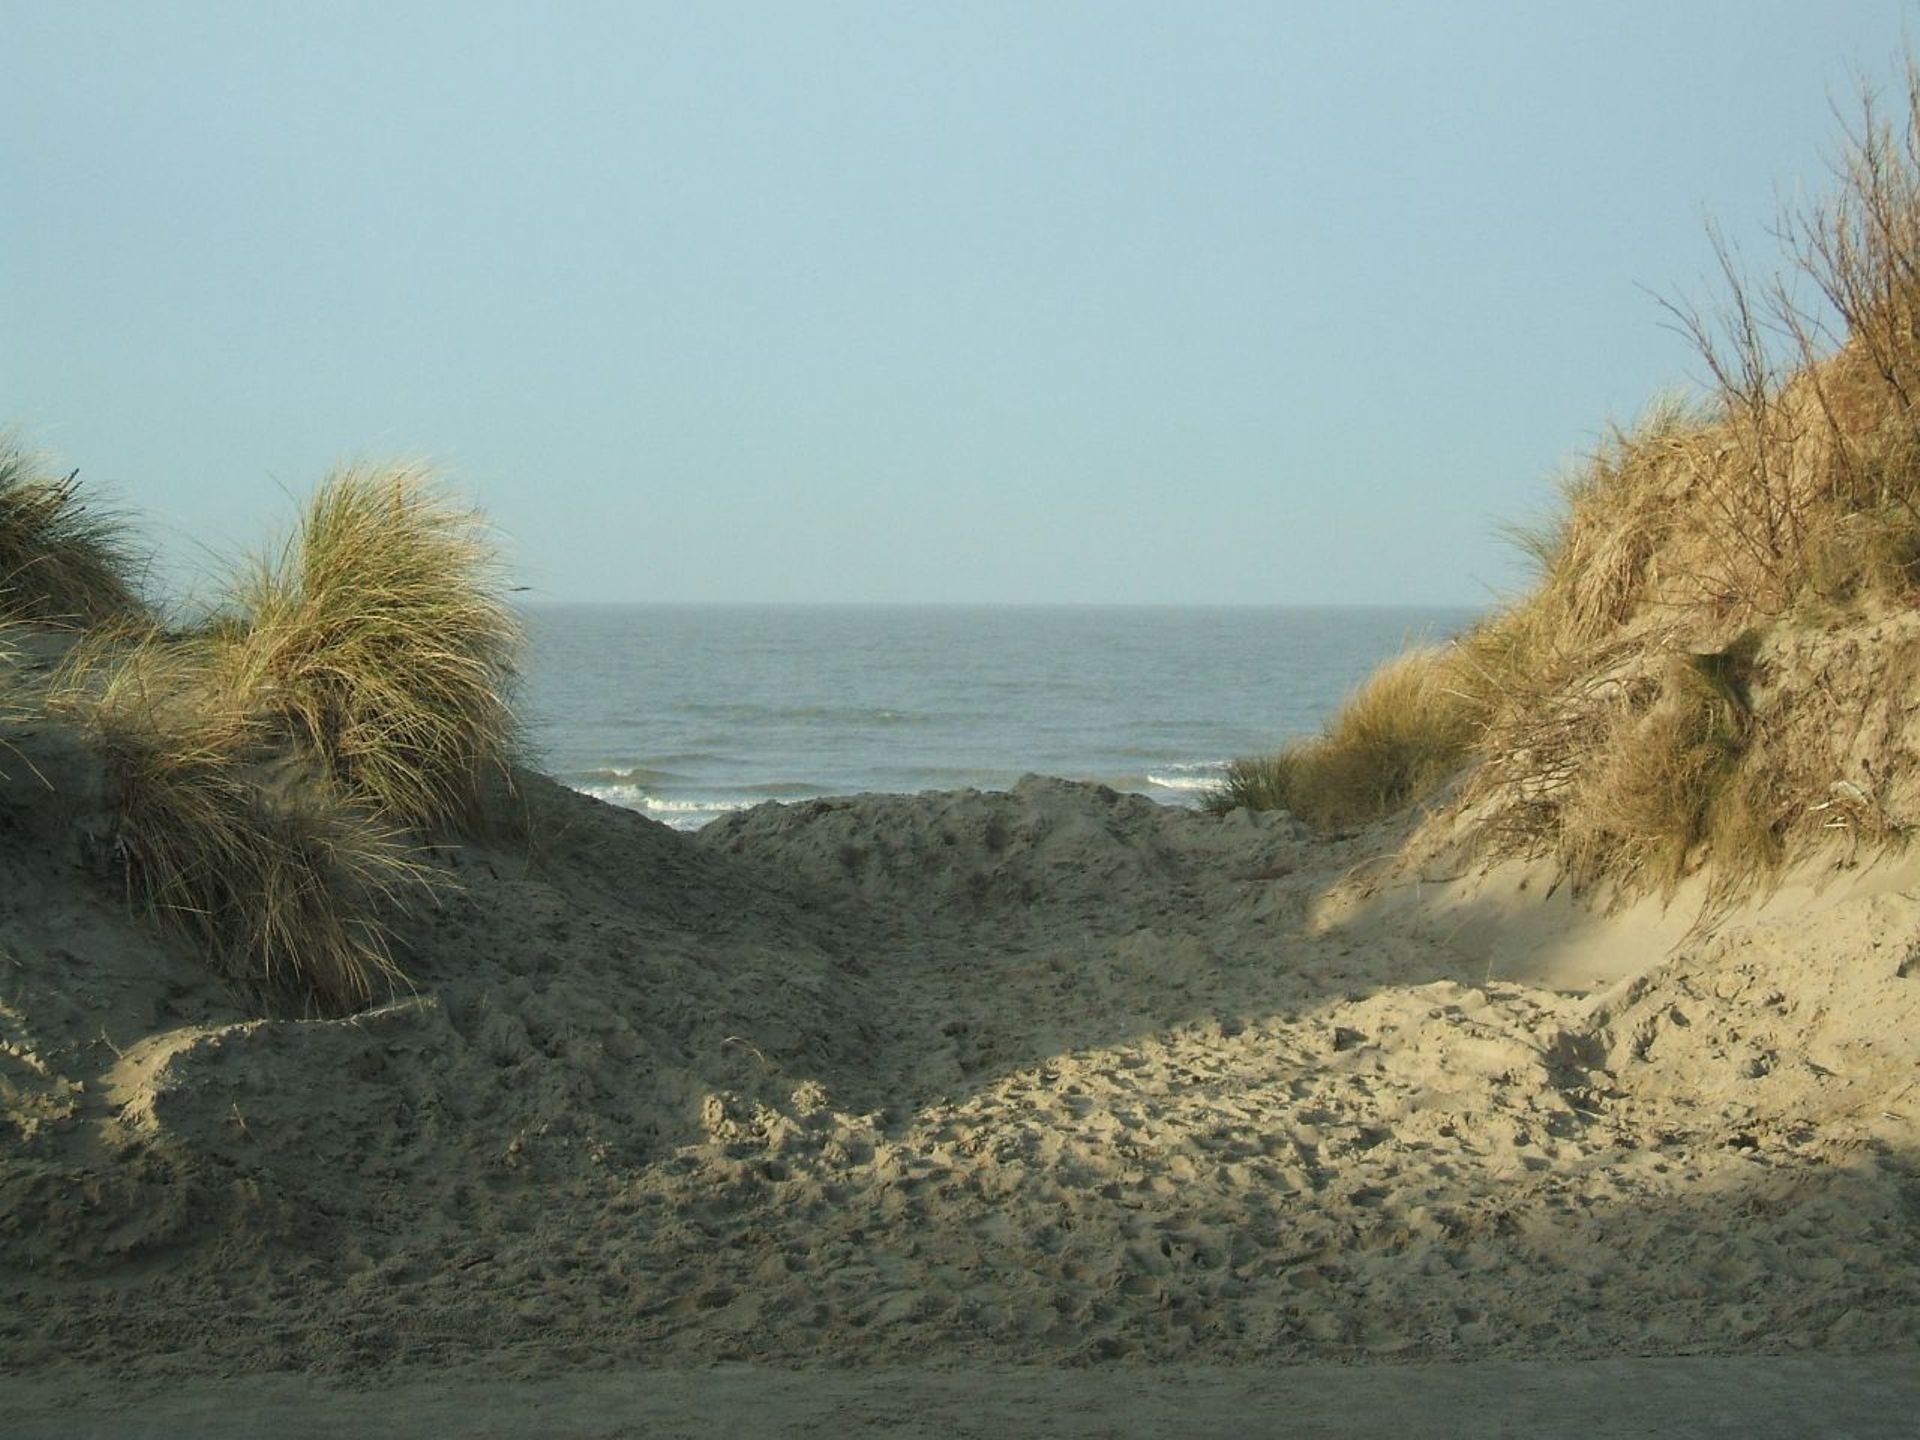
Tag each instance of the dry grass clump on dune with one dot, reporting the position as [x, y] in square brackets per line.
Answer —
[1707, 673]
[380, 639]
[225, 838]
[1398, 737]
[1595, 557]
[62, 562]
[267, 768]
[1667, 778]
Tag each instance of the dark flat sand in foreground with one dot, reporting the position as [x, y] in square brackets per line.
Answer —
[1753, 1397]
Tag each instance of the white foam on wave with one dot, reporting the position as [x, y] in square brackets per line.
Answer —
[1189, 777]
[627, 775]
[699, 807]
[1188, 782]
[680, 814]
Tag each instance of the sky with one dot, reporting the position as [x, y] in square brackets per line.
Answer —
[893, 303]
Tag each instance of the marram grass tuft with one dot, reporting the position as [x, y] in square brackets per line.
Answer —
[380, 641]
[279, 879]
[62, 562]
[1396, 740]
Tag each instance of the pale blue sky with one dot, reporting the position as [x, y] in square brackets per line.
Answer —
[1036, 302]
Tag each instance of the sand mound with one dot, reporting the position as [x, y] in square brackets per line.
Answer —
[1049, 1075]
[1045, 851]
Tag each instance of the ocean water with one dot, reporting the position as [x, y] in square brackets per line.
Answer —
[687, 712]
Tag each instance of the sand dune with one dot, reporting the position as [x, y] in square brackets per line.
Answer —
[1052, 1076]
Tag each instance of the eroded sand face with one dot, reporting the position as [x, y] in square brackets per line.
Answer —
[1050, 1076]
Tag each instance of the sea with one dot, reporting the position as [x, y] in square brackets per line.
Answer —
[686, 712]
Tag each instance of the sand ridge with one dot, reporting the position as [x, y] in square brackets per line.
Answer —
[1049, 1076]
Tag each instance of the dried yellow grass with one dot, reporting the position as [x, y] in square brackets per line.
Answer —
[1710, 674]
[266, 767]
[280, 880]
[62, 562]
[1667, 785]
[1400, 736]
[1596, 561]
[380, 641]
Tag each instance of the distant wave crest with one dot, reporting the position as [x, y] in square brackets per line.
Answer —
[1189, 779]
[747, 712]
[688, 814]
[631, 775]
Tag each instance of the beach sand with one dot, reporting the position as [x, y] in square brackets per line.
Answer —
[1734, 1397]
[944, 1084]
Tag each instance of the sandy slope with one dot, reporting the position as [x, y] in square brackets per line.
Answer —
[1049, 1076]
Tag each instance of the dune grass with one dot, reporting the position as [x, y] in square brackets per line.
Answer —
[380, 640]
[1395, 741]
[272, 768]
[280, 880]
[1707, 674]
[62, 561]
[1668, 779]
